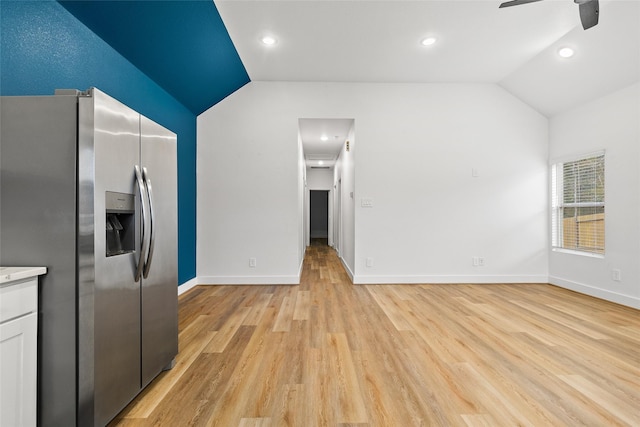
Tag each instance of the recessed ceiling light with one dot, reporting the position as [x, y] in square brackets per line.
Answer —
[428, 41]
[320, 162]
[324, 138]
[566, 52]
[268, 40]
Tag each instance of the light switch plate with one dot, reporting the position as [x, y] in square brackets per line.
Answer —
[366, 202]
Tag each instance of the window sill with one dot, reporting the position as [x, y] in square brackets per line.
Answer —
[579, 253]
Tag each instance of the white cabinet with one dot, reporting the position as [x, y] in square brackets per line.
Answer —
[18, 345]
[18, 349]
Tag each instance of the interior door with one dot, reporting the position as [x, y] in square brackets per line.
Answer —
[160, 284]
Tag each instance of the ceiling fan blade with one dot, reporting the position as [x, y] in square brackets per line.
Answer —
[517, 2]
[589, 12]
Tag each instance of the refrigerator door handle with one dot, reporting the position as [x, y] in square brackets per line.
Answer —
[145, 221]
[152, 233]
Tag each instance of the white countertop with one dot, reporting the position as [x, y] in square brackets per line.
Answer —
[9, 274]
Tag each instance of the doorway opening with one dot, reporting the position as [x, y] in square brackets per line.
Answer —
[319, 217]
[327, 174]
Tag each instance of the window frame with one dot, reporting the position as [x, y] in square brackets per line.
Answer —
[558, 205]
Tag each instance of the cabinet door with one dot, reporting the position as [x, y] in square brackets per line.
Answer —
[18, 370]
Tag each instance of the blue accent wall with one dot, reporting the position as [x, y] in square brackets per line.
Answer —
[43, 47]
[182, 45]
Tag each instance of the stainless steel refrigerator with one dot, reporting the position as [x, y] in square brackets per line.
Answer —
[89, 190]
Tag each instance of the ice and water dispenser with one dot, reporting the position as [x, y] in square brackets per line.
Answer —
[120, 223]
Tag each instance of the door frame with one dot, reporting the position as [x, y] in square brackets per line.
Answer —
[330, 240]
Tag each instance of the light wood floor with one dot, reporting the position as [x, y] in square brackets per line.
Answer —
[331, 353]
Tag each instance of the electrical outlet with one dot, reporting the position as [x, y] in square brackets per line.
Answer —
[253, 262]
[616, 275]
[369, 262]
[477, 261]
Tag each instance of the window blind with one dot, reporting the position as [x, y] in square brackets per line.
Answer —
[578, 204]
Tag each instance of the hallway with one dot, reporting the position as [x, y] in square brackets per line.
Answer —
[327, 352]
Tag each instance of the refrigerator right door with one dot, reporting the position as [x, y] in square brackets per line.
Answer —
[160, 275]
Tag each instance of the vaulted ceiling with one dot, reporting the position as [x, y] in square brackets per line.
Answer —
[379, 41]
[200, 52]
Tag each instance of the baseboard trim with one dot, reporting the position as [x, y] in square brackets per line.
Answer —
[604, 294]
[187, 285]
[617, 298]
[347, 269]
[249, 280]
[397, 280]
[300, 269]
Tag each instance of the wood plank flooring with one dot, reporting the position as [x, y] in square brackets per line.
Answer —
[328, 353]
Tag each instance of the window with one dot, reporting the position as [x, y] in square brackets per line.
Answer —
[578, 204]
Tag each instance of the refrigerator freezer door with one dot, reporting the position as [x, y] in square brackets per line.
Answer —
[109, 303]
[160, 287]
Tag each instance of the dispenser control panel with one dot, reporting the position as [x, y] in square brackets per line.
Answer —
[120, 223]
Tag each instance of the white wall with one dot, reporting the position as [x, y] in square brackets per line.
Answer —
[337, 203]
[303, 206]
[417, 146]
[248, 200]
[319, 179]
[611, 123]
[348, 206]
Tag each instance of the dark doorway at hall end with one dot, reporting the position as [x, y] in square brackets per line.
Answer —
[319, 217]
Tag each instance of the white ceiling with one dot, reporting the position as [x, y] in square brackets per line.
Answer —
[379, 41]
[315, 149]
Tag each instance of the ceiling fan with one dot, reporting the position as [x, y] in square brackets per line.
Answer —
[589, 10]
